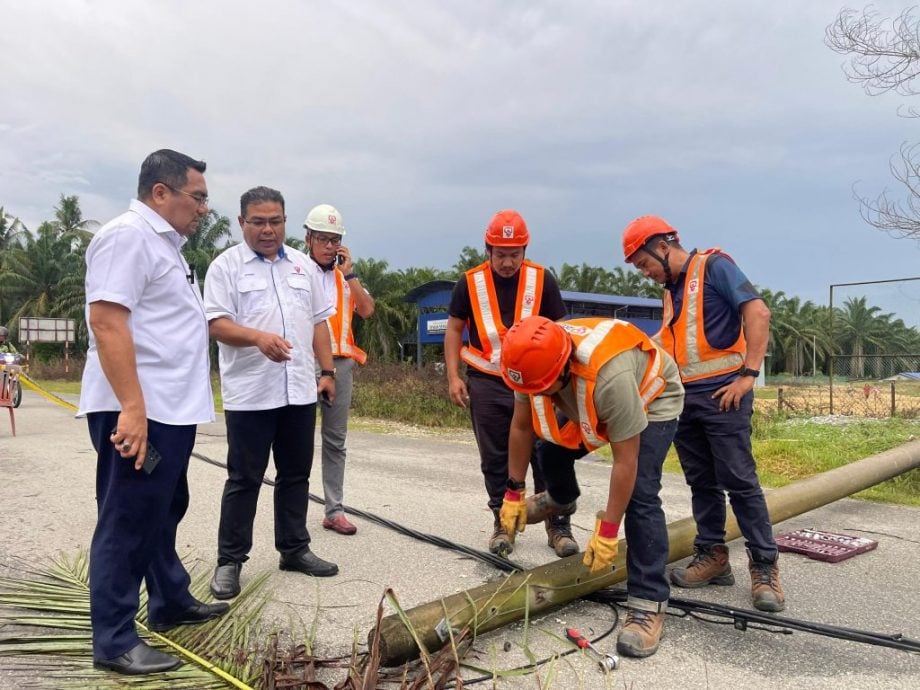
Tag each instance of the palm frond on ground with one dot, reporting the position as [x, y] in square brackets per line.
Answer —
[45, 634]
[46, 642]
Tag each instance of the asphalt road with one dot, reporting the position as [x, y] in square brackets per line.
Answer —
[432, 483]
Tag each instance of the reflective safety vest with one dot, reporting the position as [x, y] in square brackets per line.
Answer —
[487, 314]
[340, 331]
[595, 342]
[685, 340]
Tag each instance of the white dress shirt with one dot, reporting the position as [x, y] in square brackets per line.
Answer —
[284, 296]
[135, 261]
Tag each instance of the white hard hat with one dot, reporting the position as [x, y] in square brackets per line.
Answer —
[325, 218]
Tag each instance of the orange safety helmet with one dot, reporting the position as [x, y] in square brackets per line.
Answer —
[507, 229]
[641, 230]
[534, 353]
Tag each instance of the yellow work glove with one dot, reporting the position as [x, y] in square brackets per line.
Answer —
[603, 547]
[513, 514]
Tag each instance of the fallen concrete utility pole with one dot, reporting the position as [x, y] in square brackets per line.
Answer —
[536, 591]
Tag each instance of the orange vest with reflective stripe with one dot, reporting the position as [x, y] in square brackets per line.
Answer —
[340, 331]
[487, 315]
[685, 340]
[595, 342]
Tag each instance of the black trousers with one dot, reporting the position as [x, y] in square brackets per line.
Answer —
[714, 448]
[135, 536]
[286, 433]
[491, 409]
[645, 525]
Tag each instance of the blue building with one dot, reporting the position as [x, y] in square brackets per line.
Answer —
[433, 298]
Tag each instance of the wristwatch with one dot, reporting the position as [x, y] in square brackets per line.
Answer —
[515, 485]
[744, 371]
[327, 372]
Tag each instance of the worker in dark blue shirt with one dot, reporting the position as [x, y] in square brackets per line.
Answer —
[716, 327]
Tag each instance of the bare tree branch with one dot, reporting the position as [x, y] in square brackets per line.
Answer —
[899, 218]
[884, 55]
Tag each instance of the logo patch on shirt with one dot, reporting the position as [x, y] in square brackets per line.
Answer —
[515, 376]
[693, 286]
[528, 300]
[508, 232]
[296, 269]
[575, 330]
[585, 428]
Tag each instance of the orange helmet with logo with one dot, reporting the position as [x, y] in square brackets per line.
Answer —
[641, 230]
[534, 353]
[507, 229]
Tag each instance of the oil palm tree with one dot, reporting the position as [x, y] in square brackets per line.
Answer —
[863, 328]
[470, 257]
[205, 243]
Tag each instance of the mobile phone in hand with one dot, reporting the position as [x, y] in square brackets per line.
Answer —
[151, 459]
[324, 397]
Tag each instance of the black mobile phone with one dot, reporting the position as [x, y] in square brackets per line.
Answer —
[324, 396]
[340, 259]
[151, 459]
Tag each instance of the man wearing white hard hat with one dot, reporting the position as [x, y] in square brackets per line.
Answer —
[333, 260]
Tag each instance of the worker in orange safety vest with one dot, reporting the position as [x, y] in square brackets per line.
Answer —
[716, 326]
[343, 287]
[580, 385]
[486, 301]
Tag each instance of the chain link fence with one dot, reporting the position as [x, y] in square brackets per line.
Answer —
[862, 386]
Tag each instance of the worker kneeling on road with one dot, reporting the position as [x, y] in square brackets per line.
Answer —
[579, 385]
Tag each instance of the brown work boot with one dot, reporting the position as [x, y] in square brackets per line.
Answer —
[709, 566]
[641, 633]
[541, 506]
[559, 536]
[766, 590]
[499, 543]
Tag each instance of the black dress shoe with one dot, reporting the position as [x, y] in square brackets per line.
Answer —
[226, 581]
[194, 614]
[139, 660]
[309, 563]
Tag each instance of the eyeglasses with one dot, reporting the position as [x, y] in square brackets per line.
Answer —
[328, 240]
[259, 223]
[200, 199]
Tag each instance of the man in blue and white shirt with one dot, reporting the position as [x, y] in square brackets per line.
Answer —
[267, 308]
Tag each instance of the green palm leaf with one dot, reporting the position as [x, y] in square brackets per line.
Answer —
[45, 634]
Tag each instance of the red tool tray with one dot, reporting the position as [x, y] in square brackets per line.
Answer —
[824, 546]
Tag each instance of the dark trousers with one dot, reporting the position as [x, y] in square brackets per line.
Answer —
[491, 409]
[645, 525]
[135, 536]
[714, 448]
[286, 433]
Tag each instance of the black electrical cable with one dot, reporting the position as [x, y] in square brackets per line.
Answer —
[742, 618]
[499, 562]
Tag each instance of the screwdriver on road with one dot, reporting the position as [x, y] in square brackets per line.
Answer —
[608, 662]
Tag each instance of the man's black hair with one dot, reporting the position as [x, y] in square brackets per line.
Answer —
[166, 166]
[260, 195]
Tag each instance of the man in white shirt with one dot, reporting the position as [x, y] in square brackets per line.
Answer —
[146, 386]
[267, 309]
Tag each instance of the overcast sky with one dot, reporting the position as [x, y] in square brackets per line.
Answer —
[419, 120]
